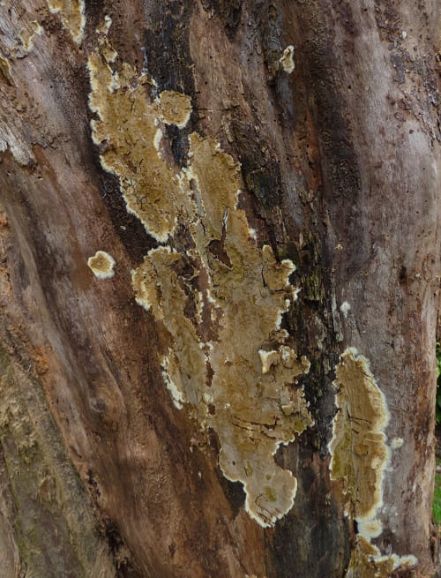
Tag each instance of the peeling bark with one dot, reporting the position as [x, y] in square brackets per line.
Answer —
[264, 179]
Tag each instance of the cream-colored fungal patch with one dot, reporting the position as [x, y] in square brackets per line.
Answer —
[174, 108]
[72, 14]
[102, 265]
[396, 443]
[28, 34]
[253, 409]
[268, 358]
[358, 447]
[218, 298]
[127, 130]
[287, 59]
[369, 528]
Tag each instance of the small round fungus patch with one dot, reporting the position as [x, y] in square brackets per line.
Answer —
[101, 265]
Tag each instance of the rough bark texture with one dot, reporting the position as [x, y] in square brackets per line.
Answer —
[100, 473]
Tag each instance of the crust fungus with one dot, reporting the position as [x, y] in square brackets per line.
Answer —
[254, 409]
[359, 456]
[127, 129]
[367, 562]
[174, 108]
[72, 14]
[101, 265]
[358, 447]
[219, 298]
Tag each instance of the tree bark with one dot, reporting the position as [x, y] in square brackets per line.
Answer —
[254, 421]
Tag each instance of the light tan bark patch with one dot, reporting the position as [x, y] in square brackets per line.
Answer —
[28, 34]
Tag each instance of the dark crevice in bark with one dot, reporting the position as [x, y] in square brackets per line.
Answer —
[228, 11]
[167, 56]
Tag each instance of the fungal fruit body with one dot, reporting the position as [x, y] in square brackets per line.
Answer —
[359, 456]
[102, 265]
[217, 296]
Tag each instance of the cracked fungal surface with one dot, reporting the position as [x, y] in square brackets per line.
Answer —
[174, 108]
[72, 14]
[359, 456]
[217, 296]
[127, 131]
[358, 447]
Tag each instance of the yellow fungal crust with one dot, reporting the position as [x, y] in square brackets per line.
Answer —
[358, 447]
[253, 409]
[72, 14]
[127, 129]
[174, 108]
[359, 455]
[101, 264]
[220, 301]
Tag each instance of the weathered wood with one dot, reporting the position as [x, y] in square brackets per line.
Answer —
[338, 162]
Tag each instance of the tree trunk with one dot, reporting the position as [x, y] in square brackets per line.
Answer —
[220, 262]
